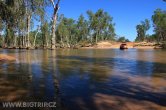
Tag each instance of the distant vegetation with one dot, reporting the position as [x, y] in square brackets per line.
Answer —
[19, 18]
[159, 24]
[26, 24]
[122, 39]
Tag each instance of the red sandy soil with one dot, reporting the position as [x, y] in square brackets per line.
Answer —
[114, 45]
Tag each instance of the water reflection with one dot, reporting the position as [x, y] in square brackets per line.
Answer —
[129, 63]
[77, 79]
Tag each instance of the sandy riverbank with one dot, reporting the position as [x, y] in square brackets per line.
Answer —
[116, 45]
[112, 45]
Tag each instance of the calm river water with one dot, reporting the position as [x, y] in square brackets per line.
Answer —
[86, 79]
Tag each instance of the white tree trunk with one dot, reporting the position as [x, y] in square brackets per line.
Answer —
[56, 8]
[34, 42]
[28, 30]
[53, 40]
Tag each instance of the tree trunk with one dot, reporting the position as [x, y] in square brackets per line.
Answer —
[47, 42]
[62, 41]
[53, 39]
[28, 30]
[67, 41]
[3, 39]
[96, 37]
[19, 38]
[56, 8]
[34, 42]
[24, 40]
[7, 37]
[15, 41]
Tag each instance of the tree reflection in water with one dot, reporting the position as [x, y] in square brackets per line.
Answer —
[86, 79]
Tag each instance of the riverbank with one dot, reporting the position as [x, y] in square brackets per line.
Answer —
[116, 45]
[102, 45]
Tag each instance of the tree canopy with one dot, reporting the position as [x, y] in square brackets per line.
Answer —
[142, 28]
[18, 22]
[159, 24]
[26, 24]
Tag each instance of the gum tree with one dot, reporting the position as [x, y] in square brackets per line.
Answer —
[54, 20]
[142, 28]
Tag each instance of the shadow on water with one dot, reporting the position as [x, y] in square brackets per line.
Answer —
[132, 67]
[84, 82]
[99, 78]
[84, 96]
[11, 51]
[29, 80]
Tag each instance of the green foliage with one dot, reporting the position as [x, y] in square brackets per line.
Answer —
[101, 26]
[151, 38]
[142, 29]
[122, 39]
[45, 34]
[1, 41]
[17, 16]
[159, 22]
[18, 19]
[97, 27]
[82, 26]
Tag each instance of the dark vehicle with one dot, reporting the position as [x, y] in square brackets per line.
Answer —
[123, 46]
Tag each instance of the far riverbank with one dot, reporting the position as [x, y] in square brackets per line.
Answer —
[116, 45]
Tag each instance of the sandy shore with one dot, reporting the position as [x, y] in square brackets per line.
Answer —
[116, 45]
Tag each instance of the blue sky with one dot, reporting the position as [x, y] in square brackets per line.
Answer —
[126, 13]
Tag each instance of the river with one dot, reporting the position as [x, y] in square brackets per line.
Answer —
[86, 79]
